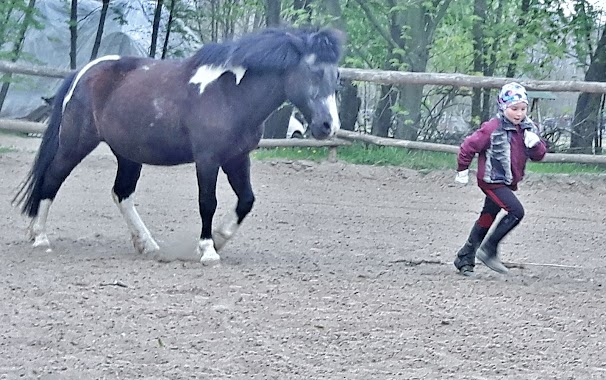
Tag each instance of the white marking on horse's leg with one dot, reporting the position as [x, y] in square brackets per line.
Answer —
[226, 230]
[207, 252]
[37, 227]
[331, 103]
[140, 235]
[81, 73]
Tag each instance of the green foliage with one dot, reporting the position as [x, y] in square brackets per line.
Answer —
[13, 14]
[311, 154]
[564, 168]
[4, 150]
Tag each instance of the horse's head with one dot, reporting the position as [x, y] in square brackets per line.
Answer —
[311, 85]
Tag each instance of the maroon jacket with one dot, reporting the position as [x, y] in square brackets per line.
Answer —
[502, 153]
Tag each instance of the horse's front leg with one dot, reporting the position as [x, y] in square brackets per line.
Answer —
[207, 199]
[124, 188]
[238, 175]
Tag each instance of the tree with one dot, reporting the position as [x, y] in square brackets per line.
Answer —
[169, 24]
[276, 125]
[349, 101]
[273, 8]
[73, 32]
[408, 31]
[155, 28]
[28, 18]
[99, 35]
[589, 107]
[587, 113]
[479, 58]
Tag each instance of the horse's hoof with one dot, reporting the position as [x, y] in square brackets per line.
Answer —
[146, 247]
[219, 239]
[207, 252]
[226, 230]
[40, 240]
[210, 259]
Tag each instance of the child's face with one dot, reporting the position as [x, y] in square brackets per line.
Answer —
[516, 112]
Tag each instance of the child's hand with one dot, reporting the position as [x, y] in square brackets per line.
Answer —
[531, 139]
[462, 177]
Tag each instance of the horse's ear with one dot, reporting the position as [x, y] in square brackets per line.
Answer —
[327, 44]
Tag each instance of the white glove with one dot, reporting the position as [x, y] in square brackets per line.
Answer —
[462, 177]
[531, 139]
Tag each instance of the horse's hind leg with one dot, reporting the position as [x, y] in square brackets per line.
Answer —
[37, 227]
[124, 187]
[59, 169]
[238, 175]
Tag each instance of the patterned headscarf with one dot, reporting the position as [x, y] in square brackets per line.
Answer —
[512, 93]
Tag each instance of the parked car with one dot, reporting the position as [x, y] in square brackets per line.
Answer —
[296, 129]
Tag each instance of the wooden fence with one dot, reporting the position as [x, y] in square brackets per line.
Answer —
[375, 76]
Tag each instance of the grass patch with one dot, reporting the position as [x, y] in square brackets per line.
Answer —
[312, 154]
[564, 168]
[359, 153]
[4, 149]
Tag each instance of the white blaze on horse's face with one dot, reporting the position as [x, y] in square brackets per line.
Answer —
[207, 74]
[334, 113]
[311, 88]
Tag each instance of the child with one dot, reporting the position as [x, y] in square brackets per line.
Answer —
[503, 144]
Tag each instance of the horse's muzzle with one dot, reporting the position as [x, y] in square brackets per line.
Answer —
[321, 131]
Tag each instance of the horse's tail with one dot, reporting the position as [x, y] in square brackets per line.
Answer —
[30, 192]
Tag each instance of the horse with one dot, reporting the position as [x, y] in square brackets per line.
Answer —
[207, 109]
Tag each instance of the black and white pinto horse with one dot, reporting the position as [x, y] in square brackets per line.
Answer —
[207, 109]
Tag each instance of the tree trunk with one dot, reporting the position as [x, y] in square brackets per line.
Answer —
[416, 58]
[349, 102]
[276, 125]
[491, 66]
[273, 8]
[349, 106]
[99, 35]
[479, 51]
[524, 11]
[407, 122]
[171, 14]
[155, 28]
[586, 115]
[17, 49]
[73, 32]
[381, 121]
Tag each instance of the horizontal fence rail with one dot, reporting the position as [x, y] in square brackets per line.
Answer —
[381, 141]
[40, 71]
[366, 75]
[383, 77]
[463, 80]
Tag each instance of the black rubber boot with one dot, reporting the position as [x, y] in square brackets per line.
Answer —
[466, 257]
[488, 251]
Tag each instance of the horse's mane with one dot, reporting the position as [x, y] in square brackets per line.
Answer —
[273, 49]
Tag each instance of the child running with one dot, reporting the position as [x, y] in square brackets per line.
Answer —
[503, 144]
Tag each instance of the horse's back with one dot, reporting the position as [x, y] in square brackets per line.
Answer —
[135, 105]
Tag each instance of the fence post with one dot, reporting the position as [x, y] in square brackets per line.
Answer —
[332, 153]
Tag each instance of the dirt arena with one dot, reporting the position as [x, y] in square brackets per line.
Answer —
[339, 272]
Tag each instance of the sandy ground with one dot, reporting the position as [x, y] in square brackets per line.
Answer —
[339, 272]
